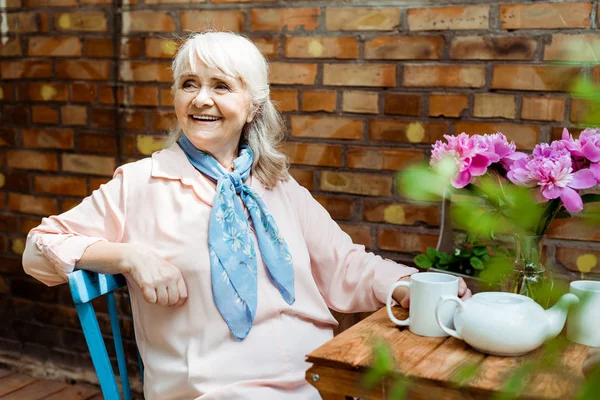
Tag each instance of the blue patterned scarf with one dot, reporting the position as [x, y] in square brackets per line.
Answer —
[232, 255]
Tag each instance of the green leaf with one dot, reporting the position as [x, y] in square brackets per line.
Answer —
[476, 263]
[399, 390]
[479, 250]
[432, 254]
[423, 261]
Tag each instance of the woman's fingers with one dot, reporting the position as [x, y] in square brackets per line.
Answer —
[466, 295]
[149, 294]
[462, 287]
[163, 295]
[173, 294]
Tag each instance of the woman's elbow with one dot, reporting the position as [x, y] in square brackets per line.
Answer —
[38, 266]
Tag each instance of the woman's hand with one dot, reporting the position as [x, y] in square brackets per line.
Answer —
[592, 363]
[402, 294]
[160, 281]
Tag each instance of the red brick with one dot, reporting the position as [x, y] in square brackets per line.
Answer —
[68, 204]
[166, 97]
[98, 47]
[83, 92]
[285, 100]
[87, 164]
[9, 223]
[142, 95]
[7, 137]
[24, 69]
[356, 183]
[524, 136]
[425, 75]
[106, 94]
[382, 159]
[545, 16]
[359, 234]
[448, 18]
[134, 119]
[131, 47]
[48, 138]
[569, 258]
[73, 115]
[163, 120]
[406, 132]
[11, 48]
[325, 155]
[337, 207]
[147, 21]
[17, 181]
[382, 75]
[31, 204]
[582, 48]
[146, 71]
[400, 213]
[28, 223]
[7, 93]
[493, 48]
[60, 185]
[28, 159]
[161, 48]
[319, 100]
[84, 70]
[326, 127]
[362, 19]
[148, 144]
[268, 46]
[447, 105]
[543, 108]
[96, 182]
[52, 3]
[356, 101]
[51, 91]
[53, 46]
[304, 177]
[491, 105]
[533, 77]
[44, 115]
[556, 133]
[293, 73]
[102, 118]
[221, 20]
[96, 143]
[404, 48]
[27, 22]
[321, 47]
[574, 229]
[584, 111]
[15, 114]
[81, 21]
[262, 19]
[402, 104]
[407, 242]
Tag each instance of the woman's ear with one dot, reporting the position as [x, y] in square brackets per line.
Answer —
[252, 113]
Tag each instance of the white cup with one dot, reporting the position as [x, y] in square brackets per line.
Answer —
[583, 321]
[426, 288]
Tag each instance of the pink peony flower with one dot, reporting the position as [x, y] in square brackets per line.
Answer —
[587, 147]
[553, 175]
[468, 154]
[495, 146]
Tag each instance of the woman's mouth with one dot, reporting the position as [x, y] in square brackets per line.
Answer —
[204, 118]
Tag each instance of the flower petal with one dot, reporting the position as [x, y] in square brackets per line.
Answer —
[479, 165]
[552, 191]
[595, 168]
[591, 152]
[583, 179]
[571, 200]
[462, 179]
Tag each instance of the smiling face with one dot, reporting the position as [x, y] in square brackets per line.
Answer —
[212, 109]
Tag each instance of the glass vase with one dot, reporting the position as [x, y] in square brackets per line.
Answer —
[529, 277]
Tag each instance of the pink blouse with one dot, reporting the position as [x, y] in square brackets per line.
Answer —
[188, 352]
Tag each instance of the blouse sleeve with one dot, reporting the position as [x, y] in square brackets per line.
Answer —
[54, 247]
[349, 278]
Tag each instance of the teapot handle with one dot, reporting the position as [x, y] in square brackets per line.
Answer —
[438, 308]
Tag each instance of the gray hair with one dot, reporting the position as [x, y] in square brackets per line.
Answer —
[237, 56]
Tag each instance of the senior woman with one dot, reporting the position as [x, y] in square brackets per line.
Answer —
[231, 265]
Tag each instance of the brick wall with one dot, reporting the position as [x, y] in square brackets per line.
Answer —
[365, 87]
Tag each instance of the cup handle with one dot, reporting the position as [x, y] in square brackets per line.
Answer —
[388, 304]
[438, 308]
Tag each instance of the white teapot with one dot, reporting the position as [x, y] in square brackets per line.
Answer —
[505, 324]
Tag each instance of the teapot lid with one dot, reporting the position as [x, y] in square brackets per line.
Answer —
[501, 299]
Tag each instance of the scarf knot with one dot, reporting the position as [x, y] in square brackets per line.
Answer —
[231, 246]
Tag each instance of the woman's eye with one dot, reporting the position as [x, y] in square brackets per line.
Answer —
[221, 86]
[188, 85]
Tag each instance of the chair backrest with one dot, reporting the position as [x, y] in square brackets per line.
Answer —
[86, 286]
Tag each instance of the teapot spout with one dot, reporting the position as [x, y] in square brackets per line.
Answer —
[557, 315]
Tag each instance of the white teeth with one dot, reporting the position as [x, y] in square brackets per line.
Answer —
[205, 118]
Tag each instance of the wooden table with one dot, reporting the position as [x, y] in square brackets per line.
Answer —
[435, 367]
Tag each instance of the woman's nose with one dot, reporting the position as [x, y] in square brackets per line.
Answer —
[203, 98]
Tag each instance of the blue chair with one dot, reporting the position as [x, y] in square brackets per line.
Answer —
[86, 286]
